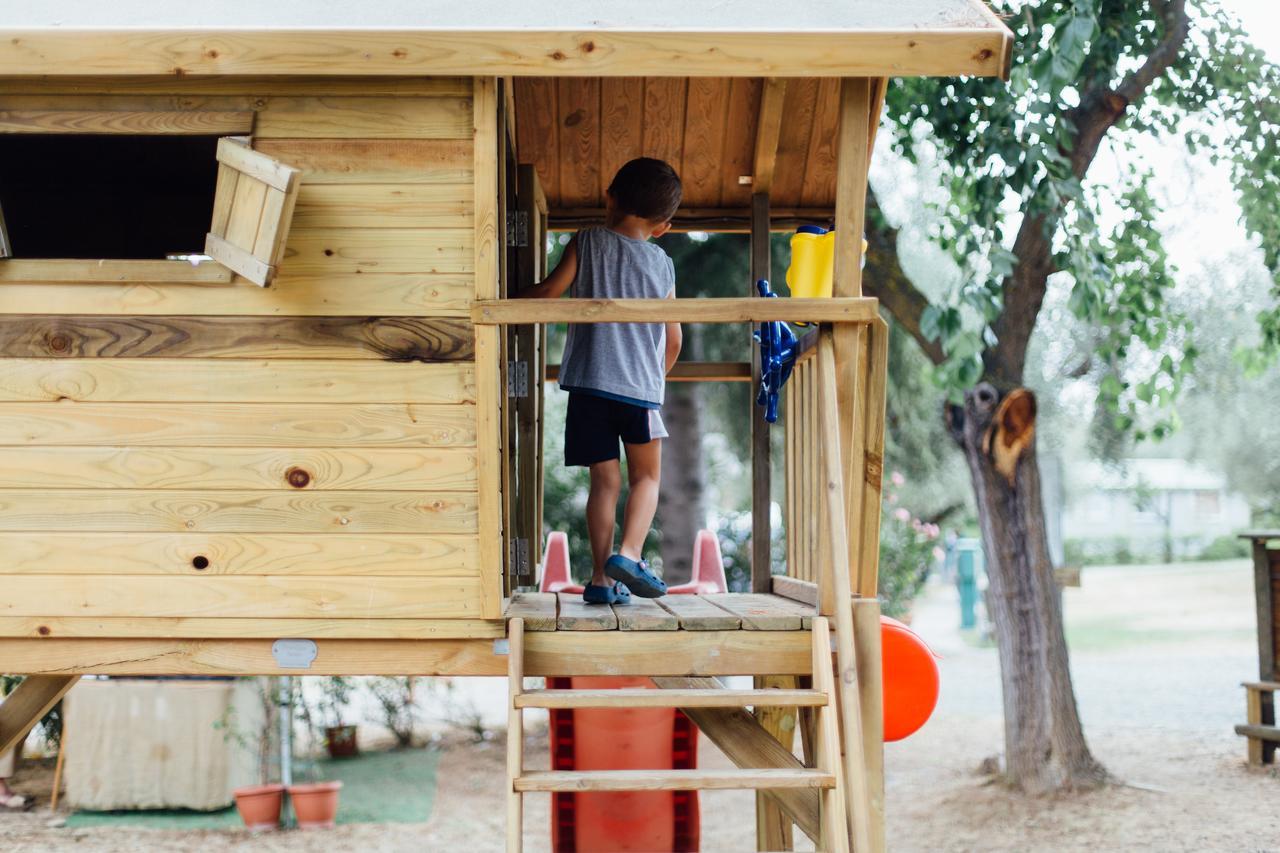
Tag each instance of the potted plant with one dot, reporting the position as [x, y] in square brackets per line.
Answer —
[259, 805]
[315, 804]
[315, 801]
[339, 737]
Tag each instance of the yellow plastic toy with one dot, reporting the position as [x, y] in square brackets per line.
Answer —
[812, 270]
[812, 262]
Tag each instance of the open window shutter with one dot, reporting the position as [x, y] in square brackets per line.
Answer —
[252, 209]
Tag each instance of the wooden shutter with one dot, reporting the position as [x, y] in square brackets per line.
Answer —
[5, 249]
[252, 209]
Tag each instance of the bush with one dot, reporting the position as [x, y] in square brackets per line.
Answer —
[1225, 548]
[908, 551]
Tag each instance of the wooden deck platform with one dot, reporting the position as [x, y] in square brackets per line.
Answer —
[544, 611]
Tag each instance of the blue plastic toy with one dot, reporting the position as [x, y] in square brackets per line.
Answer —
[777, 357]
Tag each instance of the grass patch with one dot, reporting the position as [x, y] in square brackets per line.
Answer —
[377, 787]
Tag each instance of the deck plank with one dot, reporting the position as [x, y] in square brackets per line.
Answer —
[758, 612]
[537, 609]
[698, 615]
[577, 615]
[806, 612]
[644, 614]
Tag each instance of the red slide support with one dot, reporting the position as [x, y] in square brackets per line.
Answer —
[635, 738]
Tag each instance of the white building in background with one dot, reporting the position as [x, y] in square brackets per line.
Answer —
[1149, 507]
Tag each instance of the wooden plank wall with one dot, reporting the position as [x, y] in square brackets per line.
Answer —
[193, 454]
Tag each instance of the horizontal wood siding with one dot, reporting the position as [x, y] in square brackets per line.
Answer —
[61, 553]
[215, 459]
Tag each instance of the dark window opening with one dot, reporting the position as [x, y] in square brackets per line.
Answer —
[88, 196]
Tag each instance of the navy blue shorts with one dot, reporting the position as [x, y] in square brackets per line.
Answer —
[595, 425]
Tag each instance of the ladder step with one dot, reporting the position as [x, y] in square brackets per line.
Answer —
[640, 697]
[672, 780]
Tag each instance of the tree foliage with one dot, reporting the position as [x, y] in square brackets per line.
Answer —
[1020, 209]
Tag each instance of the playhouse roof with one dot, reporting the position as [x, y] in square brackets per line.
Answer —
[498, 37]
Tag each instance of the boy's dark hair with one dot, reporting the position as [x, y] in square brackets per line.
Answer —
[648, 188]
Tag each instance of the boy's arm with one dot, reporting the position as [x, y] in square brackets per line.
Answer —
[675, 339]
[561, 277]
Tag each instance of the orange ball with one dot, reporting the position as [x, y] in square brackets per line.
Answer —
[910, 679]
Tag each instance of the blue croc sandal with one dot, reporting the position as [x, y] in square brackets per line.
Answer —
[616, 594]
[636, 575]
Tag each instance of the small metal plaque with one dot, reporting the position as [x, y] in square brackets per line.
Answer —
[502, 646]
[294, 654]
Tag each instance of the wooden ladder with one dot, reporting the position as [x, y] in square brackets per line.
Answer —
[826, 776]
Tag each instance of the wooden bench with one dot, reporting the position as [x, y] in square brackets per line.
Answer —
[1260, 727]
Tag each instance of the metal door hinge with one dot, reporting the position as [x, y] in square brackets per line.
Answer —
[517, 379]
[518, 228]
[519, 557]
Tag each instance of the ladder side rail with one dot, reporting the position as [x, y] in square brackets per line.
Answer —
[835, 576]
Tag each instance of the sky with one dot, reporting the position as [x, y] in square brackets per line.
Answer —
[1259, 16]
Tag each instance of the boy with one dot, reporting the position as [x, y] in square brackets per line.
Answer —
[615, 373]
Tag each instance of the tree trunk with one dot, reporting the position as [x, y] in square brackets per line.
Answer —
[681, 509]
[1045, 747]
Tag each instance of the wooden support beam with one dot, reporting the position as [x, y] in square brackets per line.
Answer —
[562, 653]
[515, 734]
[761, 458]
[872, 384]
[28, 703]
[489, 312]
[851, 189]
[879, 88]
[747, 744]
[768, 130]
[720, 220]
[488, 344]
[353, 48]
[689, 371]
[836, 575]
[866, 650]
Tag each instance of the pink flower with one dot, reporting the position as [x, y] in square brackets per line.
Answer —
[938, 553]
[897, 479]
[932, 530]
[901, 514]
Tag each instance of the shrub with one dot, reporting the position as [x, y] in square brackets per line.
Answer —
[908, 551]
[1225, 548]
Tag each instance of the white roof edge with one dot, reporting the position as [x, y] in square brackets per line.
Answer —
[501, 15]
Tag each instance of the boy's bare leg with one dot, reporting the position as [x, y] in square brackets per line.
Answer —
[602, 512]
[644, 469]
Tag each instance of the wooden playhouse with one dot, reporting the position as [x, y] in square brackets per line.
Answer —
[317, 451]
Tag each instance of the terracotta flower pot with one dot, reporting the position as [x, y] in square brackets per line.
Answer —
[341, 741]
[315, 804]
[259, 806]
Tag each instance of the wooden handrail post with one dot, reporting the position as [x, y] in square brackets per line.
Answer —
[761, 459]
[835, 575]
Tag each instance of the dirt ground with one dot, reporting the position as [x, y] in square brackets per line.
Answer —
[1157, 655]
